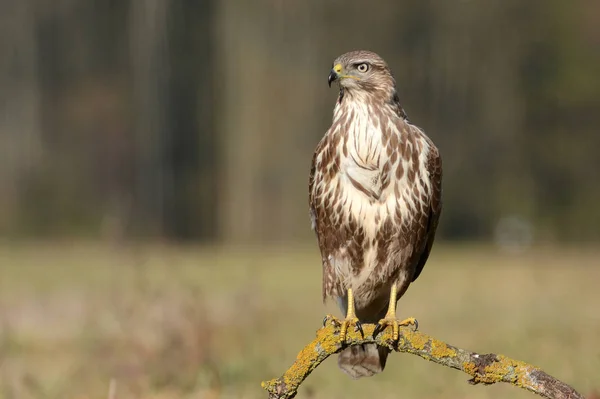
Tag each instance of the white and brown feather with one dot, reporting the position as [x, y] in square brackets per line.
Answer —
[374, 194]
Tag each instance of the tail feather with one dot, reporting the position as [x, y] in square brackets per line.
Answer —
[363, 360]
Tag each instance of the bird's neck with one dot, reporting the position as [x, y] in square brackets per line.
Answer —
[349, 98]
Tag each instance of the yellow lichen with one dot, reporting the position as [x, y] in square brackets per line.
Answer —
[518, 371]
[326, 339]
[523, 375]
[470, 368]
[306, 357]
[267, 384]
[439, 349]
[521, 371]
[296, 373]
[416, 340]
[497, 370]
[502, 369]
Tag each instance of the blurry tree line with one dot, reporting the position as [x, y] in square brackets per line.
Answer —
[198, 119]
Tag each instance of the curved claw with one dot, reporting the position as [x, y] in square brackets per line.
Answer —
[411, 321]
[360, 329]
[378, 328]
[332, 319]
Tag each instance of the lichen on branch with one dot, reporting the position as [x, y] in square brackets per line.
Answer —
[483, 368]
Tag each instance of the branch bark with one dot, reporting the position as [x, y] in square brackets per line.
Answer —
[483, 368]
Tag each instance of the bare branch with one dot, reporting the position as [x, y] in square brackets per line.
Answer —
[485, 369]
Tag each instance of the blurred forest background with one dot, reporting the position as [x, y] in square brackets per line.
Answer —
[154, 158]
[197, 119]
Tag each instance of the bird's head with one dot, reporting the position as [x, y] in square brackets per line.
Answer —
[362, 71]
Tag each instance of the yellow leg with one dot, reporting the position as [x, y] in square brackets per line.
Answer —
[351, 318]
[390, 318]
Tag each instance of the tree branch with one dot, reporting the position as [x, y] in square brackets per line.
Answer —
[485, 369]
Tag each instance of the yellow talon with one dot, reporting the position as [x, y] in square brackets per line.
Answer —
[390, 318]
[351, 319]
[409, 321]
[391, 321]
[347, 323]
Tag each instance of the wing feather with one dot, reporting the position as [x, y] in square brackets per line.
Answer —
[434, 168]
[328, 238]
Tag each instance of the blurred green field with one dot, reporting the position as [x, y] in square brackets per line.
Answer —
[158, 321]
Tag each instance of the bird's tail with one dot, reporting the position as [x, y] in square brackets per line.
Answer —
[363, 360]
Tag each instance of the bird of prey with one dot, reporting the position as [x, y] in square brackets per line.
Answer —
[375, 201]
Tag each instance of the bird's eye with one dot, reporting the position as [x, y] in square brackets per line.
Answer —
[364, 67]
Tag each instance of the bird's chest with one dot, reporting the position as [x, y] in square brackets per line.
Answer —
[348, 171]
[361, 143]
[368, 182]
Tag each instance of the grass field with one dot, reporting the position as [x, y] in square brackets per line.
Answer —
[187, 322]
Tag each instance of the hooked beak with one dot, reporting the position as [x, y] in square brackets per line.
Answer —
[334, 74]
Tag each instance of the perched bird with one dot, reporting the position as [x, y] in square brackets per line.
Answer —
[375, 200]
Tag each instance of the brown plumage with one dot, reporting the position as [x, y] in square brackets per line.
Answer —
[375, 198]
